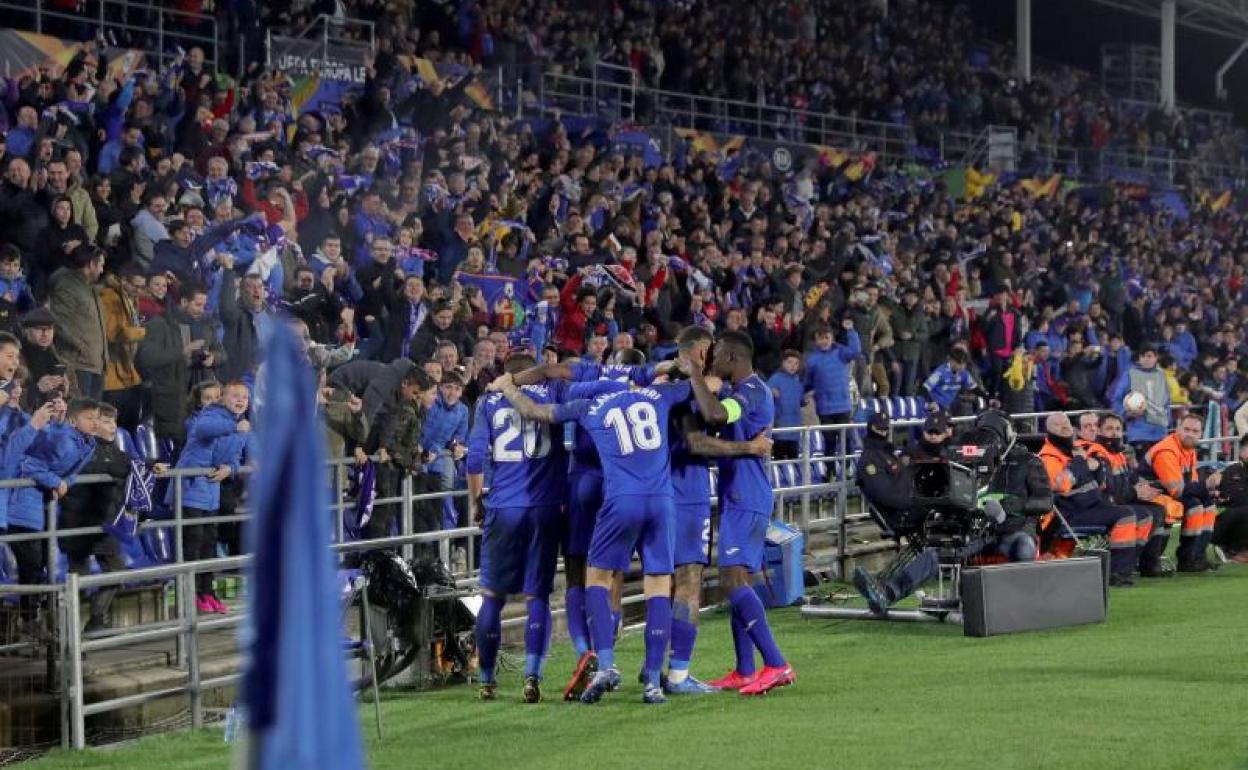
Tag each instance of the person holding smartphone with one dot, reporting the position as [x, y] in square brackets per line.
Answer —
[46, 370]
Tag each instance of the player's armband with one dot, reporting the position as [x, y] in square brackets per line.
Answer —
[733, 408]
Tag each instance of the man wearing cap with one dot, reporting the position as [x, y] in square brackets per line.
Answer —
[882, 477]
[934, 443]
[75, 303]
[48, 372]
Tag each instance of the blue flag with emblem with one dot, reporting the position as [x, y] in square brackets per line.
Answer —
[299, 708]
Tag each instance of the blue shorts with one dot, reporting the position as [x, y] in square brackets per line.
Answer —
[520, 550]
[693, 534]
[634, 522]
[584, 502]
[742, 537]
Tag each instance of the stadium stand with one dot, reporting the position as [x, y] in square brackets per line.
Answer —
[444, 205]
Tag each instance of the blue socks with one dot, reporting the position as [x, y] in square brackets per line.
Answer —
[748, 608]
[684, 634]
[578, 626]
[658, 629]
[744, 647]
[489, 635]
[601, 624]
[536, 636]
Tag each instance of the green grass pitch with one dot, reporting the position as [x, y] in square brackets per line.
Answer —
[1163, 684]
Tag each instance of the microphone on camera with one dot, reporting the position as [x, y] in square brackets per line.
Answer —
[994, 511]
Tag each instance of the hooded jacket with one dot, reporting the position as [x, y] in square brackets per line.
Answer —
[57, 454]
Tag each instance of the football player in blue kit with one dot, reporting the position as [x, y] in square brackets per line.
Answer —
[585, 500]
[745, 507]
[692, 450]
[524, 523]
[630, 432]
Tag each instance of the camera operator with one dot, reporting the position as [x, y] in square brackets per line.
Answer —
[935, 442]
[1019, 488]
[1230, 530]
[1123, 486]
[1072, 474]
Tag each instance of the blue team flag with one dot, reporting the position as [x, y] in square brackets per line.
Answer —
[299, 707]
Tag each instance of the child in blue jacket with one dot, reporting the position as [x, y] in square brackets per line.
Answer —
[828, 370]
[53, 460]
[789, 393]
[215, 438]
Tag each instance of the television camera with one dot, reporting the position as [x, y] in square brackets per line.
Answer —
[952, 507]
[952, 513]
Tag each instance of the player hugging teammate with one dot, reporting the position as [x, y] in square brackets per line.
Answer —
[638, 482]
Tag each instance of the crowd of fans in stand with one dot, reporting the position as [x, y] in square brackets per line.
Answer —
[922, 63]
[154, 221]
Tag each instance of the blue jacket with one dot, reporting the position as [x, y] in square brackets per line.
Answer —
[213, 426]
[788, 391]
[363, 226]
[56, 454]
[15, 436]
[1183, 348]
[827, 374]
[442, 424]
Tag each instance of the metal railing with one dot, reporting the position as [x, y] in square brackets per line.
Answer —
[611, 93]
[652, 106]
[820, 506]
[154, 28]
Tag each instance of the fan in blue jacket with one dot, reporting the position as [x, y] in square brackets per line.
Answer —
[18, 431]
[789, 393]
[827, 372]
[215, 438]
[52, 460]
[444, 436]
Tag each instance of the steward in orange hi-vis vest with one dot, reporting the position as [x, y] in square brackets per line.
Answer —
[1077, 492]
[1123, 486]
[1172, 462]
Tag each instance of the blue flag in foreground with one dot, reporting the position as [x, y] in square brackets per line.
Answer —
[299, 707]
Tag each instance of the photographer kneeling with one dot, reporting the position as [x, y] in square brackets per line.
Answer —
[1018, 486]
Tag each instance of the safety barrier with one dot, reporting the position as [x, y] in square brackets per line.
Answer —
[614, 91]
[824, 489]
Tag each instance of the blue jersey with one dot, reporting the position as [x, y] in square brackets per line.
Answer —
[743, 481]
[691, 474]
[640, 376]
[630, 431]
[528, 466]
[584, 455]
[528, 461]
[944, 385]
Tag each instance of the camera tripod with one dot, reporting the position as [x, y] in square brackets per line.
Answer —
[941, 605]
